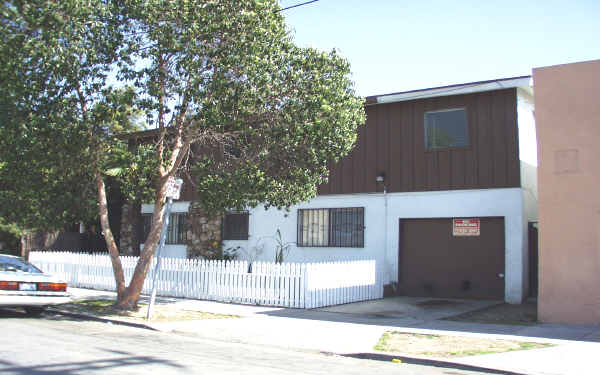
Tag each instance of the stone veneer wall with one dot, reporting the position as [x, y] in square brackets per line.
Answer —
[203, 234]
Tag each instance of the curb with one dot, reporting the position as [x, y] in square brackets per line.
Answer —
[105, 320]
[367, 355]
[425, 362]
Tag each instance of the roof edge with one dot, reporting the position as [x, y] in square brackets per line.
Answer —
[457, 89]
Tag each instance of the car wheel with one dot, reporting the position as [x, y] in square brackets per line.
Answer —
[37, 310]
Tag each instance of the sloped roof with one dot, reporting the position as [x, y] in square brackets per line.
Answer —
[523, 82]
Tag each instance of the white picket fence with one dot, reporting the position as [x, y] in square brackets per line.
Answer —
[299, 285]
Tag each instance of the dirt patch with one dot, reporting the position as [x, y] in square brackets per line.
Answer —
[437, 346]
[523, 314]
[103, 308]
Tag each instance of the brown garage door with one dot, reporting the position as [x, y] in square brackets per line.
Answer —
[433, 262]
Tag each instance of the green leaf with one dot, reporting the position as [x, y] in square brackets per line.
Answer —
[114, 172]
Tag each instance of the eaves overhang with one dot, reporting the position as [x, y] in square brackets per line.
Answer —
[523, 82]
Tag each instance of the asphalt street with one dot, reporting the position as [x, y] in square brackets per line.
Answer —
[54, 344]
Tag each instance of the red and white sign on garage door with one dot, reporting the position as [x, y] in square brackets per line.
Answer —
[466, 227]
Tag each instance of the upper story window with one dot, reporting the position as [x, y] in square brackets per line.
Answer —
[446, 129]
[331, 227]
[235, 226]
[176, 231]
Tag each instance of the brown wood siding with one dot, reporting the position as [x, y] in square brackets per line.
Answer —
[358, 170]
[188, 193]
[393, 143]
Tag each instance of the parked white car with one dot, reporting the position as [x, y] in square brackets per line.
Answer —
[24, 285]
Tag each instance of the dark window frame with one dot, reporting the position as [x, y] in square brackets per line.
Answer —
[467, 133]
[236, 229]
[173, 238]
[344, 227]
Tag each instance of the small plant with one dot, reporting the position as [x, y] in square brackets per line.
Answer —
[231, 253]
[251, 254]
[282, 248]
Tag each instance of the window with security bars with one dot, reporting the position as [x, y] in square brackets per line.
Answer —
[235, 226]
[331, 227]
[176, 230]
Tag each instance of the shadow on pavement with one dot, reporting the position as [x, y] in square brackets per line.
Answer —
[144, 299]
[575, 332]
[101, 365]
[12, 313]
[50, 314]
[19, 313]
[427, 362]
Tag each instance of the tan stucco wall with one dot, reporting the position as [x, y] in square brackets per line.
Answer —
[567, 111]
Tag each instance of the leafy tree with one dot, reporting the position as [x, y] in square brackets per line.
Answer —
[233, 102]
[40, 167]
[10, 235]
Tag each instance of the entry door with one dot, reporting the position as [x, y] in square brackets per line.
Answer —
[433, 262]
[533, 260]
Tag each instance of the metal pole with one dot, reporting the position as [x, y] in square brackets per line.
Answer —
[161, 244]
[386, 254]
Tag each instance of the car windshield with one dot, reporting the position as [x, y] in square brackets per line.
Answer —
[17, 265]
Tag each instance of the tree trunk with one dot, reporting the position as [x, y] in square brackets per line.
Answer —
[129, 298]
[23, 248]
[108, 236]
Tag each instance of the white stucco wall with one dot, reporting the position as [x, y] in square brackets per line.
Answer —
[530, 191]
[507, 203]
[526, 127]
[528, 163]
[170, 251]
[528, 153]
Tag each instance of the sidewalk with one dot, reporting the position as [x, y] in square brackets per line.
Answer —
[355, 334]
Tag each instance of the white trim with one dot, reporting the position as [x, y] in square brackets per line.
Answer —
[172, 251]
[526, 127]
[464, 109]
[468, 88]
[177, 207]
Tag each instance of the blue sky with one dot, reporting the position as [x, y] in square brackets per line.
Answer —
[403, 45]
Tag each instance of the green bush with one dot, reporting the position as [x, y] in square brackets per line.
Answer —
[9, 243]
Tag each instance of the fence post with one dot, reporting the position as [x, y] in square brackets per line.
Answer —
[305, 277]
